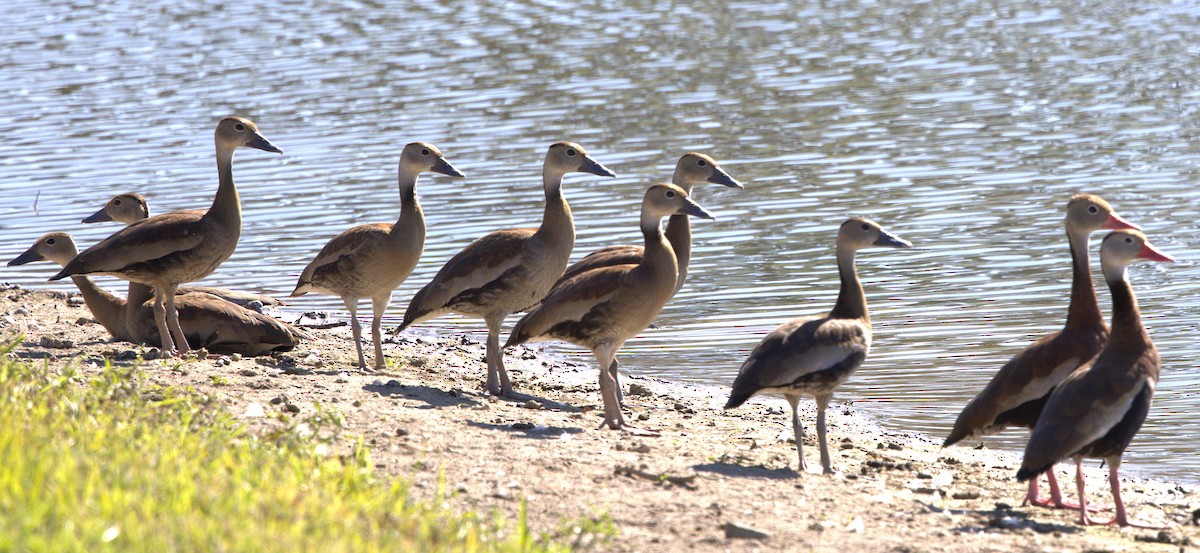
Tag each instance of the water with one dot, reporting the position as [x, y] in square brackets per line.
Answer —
[961, 126]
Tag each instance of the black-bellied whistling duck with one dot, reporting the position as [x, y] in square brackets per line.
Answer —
[1098, 409]
[602, 308]
[182, 246]
[814, 355]
[370, 261]
[509, 270]
[131, 207]
[1017, 392]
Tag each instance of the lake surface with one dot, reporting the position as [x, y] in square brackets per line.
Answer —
[961, 126]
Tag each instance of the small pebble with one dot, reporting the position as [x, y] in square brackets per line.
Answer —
[522, 426]
[533, 404]
[291, 408]
[636, 389]
[248, 372]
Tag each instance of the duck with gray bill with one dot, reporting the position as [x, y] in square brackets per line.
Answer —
[370, 261]
[509, 270]
[167, 250]
[131, 207]
[602, 308]
[814, 355]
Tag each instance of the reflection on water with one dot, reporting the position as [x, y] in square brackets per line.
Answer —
[962, 126]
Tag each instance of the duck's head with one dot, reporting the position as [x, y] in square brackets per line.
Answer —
[858, 233]
[1088, 213]
[123, 208]
[697, 168]
[419, 157]
[569, 157]
[58, 247]
[662, 200]
[239, 132]
[1122, 247]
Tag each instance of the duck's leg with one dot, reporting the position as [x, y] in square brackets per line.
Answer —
[822, 404]
[378, 306]
[613, 370]
[160, 319]
[798, 430]
[1083, 511]
[173, 321]
[498, 383]
[613, 418]
[356, 330]
[1114, 483]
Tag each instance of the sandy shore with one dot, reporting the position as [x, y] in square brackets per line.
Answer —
[714, 481]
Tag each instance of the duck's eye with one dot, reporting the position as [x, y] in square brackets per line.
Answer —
[570, 152]
[424, 151]
[866, 226]
[50, 241]
[240, 127]
[670, 193]
[1128, 239]
[1093, 209]
[116, 202]
[701, 162]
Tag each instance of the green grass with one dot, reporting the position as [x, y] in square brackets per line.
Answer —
[108, 462]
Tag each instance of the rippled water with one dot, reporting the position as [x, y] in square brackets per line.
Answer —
[961, 126]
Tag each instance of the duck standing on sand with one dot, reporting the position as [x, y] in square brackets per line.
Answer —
[1016, 394]
[602, 308]
[509, 270]
[814, 355]
[1097, 410]
[370, 261]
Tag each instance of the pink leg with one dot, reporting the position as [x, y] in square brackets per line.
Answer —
[1083, 512]
[1114, 482]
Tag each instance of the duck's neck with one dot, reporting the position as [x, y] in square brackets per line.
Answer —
[557, 223]
[105, 307]
[227, 205]
[1127, 326]
[658, 258]
[679, 234]
[851, 301]
[411, 223]
[1084, 309]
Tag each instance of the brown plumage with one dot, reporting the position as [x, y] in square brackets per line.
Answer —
[509, 270]
[1097, 410]
[370, 261]
[212, 323]
[167, 250]
[131, 207]
[1016, 394]
[814, 355]
[602, 308]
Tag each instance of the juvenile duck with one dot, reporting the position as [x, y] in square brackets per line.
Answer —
[370, 261]
[814, 355]
[131, 207]
[213, 323]
[602, 308]
[509, 270]
[167, 250]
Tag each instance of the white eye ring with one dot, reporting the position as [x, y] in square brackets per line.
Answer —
[570, 152]
[240, 127]
[1093, 209]
[424, 151]
[670, 193]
